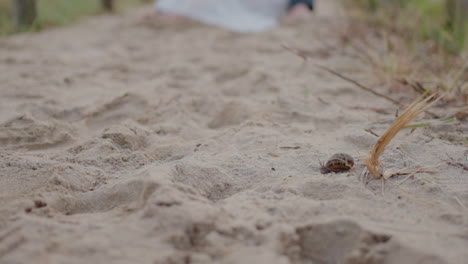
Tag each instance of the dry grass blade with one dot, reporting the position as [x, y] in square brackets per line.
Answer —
[408, 171]
[416, 108]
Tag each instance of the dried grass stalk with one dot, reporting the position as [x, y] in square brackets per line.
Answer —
[417, 107]
[408, 171]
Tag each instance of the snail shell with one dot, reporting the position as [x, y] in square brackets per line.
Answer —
[340, 162]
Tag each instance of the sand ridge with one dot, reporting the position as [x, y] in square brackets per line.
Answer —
[126, 143]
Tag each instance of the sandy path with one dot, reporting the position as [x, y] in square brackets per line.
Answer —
[197, 145]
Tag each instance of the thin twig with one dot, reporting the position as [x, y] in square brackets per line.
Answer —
[305, 56]
[358, 84]
[409, 176]
[460, 202]
[383, 187]
[371, 132]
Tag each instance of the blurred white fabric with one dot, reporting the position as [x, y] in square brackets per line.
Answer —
[236, 15]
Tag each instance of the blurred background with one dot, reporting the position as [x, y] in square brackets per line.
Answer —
[52, 13]
[444, 21]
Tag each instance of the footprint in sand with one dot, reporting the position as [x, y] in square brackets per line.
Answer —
[233, 113]
[344, 241]
[30, 133]
[127, 106]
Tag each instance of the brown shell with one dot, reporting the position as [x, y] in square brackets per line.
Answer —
[340, 162]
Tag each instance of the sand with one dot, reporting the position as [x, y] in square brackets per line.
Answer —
[129, 143]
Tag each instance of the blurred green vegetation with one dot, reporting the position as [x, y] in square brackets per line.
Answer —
[423, 20]
[57, 13]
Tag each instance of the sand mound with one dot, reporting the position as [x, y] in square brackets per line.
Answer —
[30, 133]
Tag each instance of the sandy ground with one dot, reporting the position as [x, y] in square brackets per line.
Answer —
[123, 143]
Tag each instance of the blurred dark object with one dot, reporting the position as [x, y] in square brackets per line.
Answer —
[375, 4]
[24, 12]
[107, 5]
[308, 3]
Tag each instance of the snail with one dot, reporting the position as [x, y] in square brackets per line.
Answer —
[340, 162]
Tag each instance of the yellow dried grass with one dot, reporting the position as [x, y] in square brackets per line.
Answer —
[417, 107]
